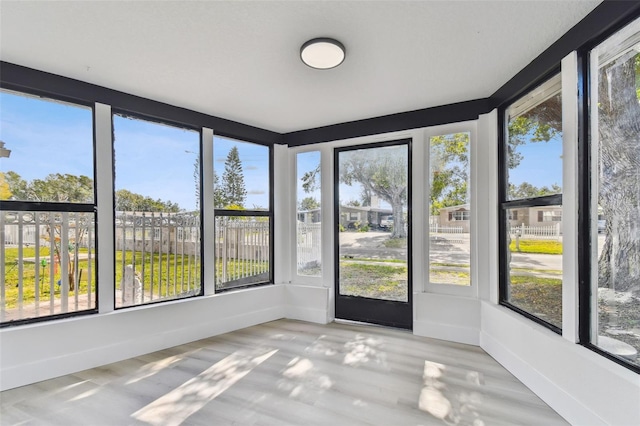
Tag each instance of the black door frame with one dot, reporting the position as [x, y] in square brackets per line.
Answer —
[376, 311]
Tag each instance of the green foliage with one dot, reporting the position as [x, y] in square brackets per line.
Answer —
[353, 203]
[449, 167]
[218, 192]
[5, 190]
[539, 124]
[373, 280]
[308, 203]
[380, 172]
[341, 228]
[311, 180]
[55, 187]
[11, 278]
[537, 246]
[128, 201]
[526, 190]
[363, 228]
[395, 243]
[234, 191]
[539, 296]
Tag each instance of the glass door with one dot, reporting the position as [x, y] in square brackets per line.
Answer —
[373, 233]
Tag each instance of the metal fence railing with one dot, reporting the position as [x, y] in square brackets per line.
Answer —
[242, 251]
[157, 256]
[47, 263]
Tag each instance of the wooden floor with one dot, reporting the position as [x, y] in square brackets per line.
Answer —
[289, 372]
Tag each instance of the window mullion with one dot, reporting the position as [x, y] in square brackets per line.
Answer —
[104, 200]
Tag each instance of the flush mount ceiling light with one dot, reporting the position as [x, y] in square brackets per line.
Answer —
[322, 53]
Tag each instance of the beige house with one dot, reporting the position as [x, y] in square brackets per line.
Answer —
[543, 216]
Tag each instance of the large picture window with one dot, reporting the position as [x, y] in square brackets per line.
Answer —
[531, 205]
[157, 212]
[615, 196]
[47, 213]
[243, 213]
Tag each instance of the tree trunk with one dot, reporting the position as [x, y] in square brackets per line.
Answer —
[618, 169]
[398, 220]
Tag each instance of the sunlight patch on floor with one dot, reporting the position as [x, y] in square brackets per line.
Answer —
[176, 406]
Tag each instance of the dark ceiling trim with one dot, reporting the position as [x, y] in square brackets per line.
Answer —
[452, 113]
[17, 77]
[601, 21]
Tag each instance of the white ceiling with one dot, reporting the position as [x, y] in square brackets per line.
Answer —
[240, 60]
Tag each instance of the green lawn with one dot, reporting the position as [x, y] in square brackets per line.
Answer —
[537, 246]
[11, 278]
[540, 296]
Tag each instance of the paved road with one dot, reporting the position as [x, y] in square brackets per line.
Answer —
[453, 249]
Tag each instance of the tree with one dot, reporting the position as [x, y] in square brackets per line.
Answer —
[127, 201]
[235, 193]
[219, 198]
[619, 153]
[310, 180]
[17, 186]
[55, 187]
[308, 203]
[5, 189]
[527, 190]
[449, 167]
[383, 174]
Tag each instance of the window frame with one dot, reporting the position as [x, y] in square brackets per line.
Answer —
[250, 213]
[471, 290]
[163, 122]
[61, 207]
[588, 219]
[294, 152]
[504, 204]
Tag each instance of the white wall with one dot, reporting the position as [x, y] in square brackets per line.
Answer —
[41, 351]
[583, 387]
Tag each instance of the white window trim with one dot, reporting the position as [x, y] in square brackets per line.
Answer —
[293, 194]
[446, 129]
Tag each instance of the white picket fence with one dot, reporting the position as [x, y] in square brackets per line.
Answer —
[551, 232]
[309, 250]
[434, 228]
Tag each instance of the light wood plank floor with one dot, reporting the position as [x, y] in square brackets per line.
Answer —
[289, 372]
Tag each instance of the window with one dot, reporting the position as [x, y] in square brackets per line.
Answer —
[531, 170]
[614, 321]
[550, 216]
[309, 225]
[243, 213]
[47, 213]
[449, 204]
[157, 199]
[459, 215]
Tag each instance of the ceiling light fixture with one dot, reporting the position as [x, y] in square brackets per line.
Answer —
[322, 53]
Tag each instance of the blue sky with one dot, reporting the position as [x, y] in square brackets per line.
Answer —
[45, 137]
[158, 161]
[541, 165]
[151, 159]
